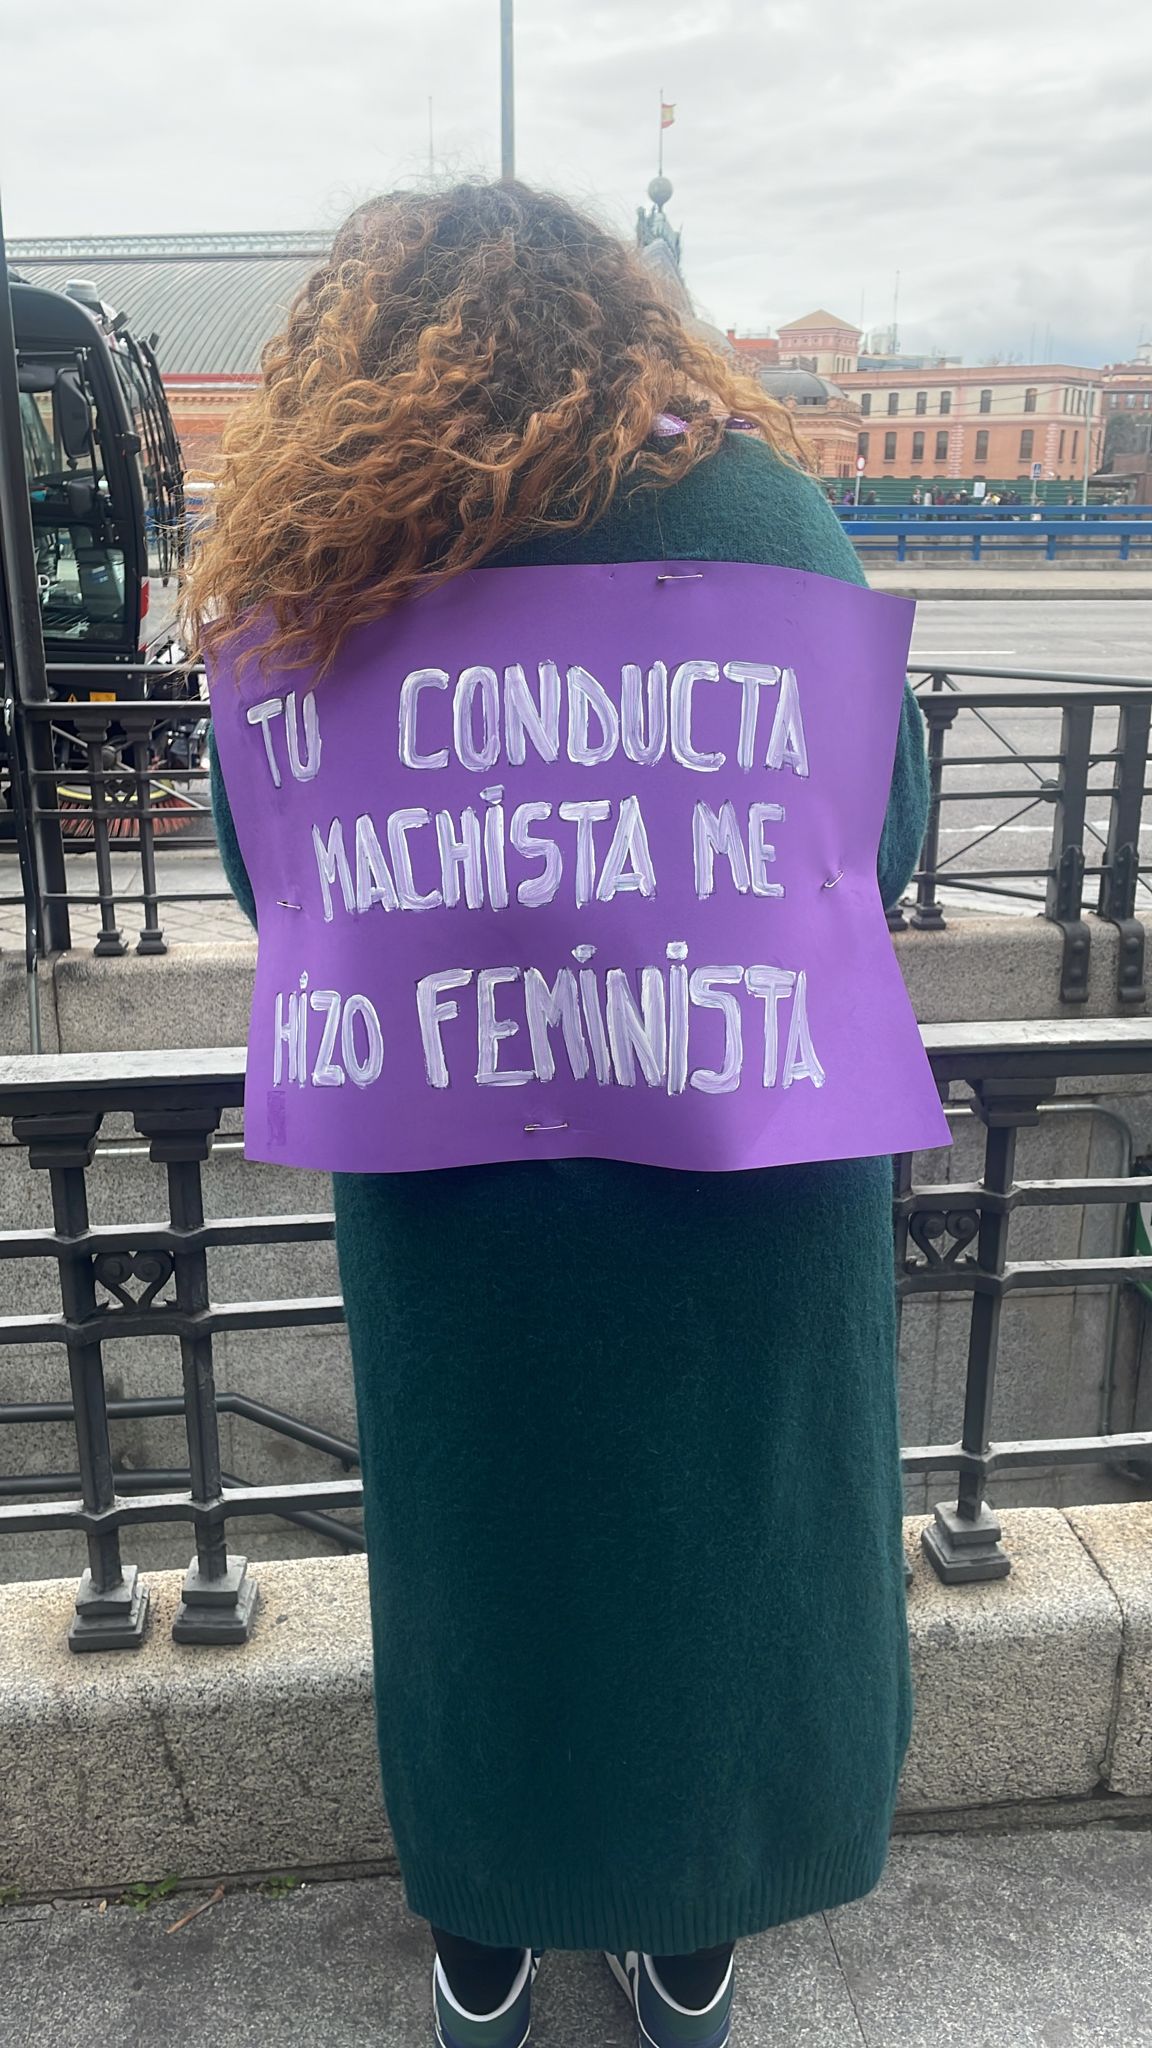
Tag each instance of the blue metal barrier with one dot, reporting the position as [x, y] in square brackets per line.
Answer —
[979, 508]
[948, 528]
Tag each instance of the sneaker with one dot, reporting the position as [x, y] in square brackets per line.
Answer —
[507, 2027]
[660, 2022]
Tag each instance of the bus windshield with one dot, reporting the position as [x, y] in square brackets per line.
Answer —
[79, 568]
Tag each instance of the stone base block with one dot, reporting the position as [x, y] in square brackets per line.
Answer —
[1119, 1541]
[193, 1759]
[1014, 1678]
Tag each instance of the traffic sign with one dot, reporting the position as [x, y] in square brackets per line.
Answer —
[861, 465]
[1037, 469]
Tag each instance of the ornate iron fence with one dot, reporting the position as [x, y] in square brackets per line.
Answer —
[1091, 751]
[152, 1279]
[94, 784]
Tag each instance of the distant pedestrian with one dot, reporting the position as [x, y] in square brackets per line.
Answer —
[917, 496]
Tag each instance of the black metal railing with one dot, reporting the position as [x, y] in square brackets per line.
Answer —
[113, 767]
[1016, 745]
[152, 1280]
[1038, 787]
[149, 1280]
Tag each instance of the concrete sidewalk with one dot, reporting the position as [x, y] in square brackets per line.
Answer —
[974, 580]
[1014, 1940]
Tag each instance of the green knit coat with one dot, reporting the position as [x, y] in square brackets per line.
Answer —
[630, 1457]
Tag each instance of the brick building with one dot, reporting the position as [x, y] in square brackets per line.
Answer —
[1126, 416]
[754, 352]
[992, 421]
[826, 422]
[821, 342]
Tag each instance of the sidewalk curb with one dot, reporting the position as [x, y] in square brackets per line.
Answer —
[959, 591]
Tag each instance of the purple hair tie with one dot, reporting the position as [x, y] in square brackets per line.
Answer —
[669, 423]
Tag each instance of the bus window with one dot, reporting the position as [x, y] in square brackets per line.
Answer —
[79, 570]
[160, 465]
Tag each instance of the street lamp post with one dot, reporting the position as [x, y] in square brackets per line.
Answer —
[507, 94]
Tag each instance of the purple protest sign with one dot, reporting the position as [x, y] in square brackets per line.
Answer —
[579, 862]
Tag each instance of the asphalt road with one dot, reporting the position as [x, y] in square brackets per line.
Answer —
[1096, 636]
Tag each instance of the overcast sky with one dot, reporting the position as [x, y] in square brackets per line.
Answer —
[998, 153]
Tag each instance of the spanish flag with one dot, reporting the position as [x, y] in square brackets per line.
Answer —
[667, 113]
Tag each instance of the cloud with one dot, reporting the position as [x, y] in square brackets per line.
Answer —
[995, 154]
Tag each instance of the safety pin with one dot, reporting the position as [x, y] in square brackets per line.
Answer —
[545, 1127]
[696, 576]
[832, 880]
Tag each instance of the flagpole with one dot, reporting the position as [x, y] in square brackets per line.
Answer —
[660, 145]
[507, 92]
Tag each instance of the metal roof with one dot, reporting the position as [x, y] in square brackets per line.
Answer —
[802, 385]
[214, 300]
[213, 313]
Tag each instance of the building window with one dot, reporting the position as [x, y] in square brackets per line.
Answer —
[917, 447]
[862, 445]
[889, 447]
[982, 445]
[942, 447]
[1060, 450]
[1026, 440]
[893, 401]
[986, 400]
[1030, 398]
[865, 403]
[921, 401]
[945, 401]
[1075, 443]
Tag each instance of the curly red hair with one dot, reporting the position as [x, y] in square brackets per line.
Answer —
[469, 368]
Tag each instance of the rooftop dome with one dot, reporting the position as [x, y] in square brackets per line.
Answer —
[803, 386]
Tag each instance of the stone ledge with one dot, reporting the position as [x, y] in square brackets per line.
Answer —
[191, 996]
[1119, 1541]
[212, 1762]
[193, 1760]
[980, 969]
[1014, 1679]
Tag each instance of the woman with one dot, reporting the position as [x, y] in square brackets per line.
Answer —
[629, 1435]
